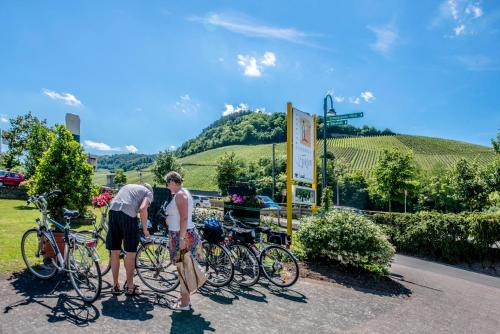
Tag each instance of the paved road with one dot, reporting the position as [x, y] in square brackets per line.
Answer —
[441, 299]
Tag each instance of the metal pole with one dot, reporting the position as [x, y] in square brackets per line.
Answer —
[323, 183]
[274, 175]
[406, 193]
[338, 195]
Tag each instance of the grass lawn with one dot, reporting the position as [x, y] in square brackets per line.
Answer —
[15, 219]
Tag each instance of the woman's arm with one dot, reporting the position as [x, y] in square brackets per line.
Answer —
[181, 200]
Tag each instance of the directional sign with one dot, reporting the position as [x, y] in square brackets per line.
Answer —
[340, 122]
[344, 116]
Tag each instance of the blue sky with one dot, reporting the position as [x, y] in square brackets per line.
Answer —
[146, 76]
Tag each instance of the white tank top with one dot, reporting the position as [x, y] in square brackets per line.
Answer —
[173, 216]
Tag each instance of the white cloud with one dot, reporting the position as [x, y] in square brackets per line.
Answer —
[172, 147]
[252, 68]
[106, 148]
[131, 148]
[386, 36]
[248, 27]
[269, 59]
[354, 100]
[462, 13]
[67, 98]
[4, 119]
[475, 11]
[186, 104]
[249, 64]
[100, 146]
[459, 30]
[339, 99]
[367, 96]
[230, 109]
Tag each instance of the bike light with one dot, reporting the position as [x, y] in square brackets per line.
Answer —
[90, 243]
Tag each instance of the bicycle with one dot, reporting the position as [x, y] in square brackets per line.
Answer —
[79, 260]
[217, 262]
[99, 233]
[251, 260]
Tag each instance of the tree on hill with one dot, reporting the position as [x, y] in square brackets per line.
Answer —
[469, 188]
[227, 171]
[63, 166]
[120, 177]
[393, 173]
[165, 162]
[496, 143]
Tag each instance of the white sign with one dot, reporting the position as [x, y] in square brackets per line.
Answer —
[303, 195]
[303, 146]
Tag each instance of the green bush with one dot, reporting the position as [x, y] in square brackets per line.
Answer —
[451, 237]
[63, 166]
[346, 237]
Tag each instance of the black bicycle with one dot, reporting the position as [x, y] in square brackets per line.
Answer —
[217, 260]
[254, 255]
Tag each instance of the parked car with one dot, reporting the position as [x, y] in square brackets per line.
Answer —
[10, 178]
[201, 201]
[269, 203]
[348, 208]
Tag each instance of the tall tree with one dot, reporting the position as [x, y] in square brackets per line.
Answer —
[227, 171]
[496, 143]
[165, 162]
[120, 177]
[393, 173]
[469, 188]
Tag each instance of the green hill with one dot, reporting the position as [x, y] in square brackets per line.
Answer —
[360, 152]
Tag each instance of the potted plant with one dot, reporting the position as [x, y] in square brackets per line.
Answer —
[244, 207]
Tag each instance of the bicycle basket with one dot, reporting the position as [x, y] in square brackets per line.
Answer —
[278, 238]
[244, 235]
[212, 230]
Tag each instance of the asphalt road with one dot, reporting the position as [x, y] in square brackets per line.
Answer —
[438, 299]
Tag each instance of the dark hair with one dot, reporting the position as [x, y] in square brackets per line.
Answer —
[173, 176]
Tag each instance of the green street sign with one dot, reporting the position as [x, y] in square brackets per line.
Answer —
[344, 116]
[333, 123]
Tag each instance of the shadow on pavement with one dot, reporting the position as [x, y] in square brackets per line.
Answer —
[357, 279]
[285, 293]
[68, 308]
[188, 322]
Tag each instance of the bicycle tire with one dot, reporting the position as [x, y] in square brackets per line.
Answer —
[246, 265]
[217, 264]
[104, 254]
[149, 268]
[78, 273]
[37, 253]
[280, 268]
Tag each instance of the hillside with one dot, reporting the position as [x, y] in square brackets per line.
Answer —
[360, 152]
[252, 128]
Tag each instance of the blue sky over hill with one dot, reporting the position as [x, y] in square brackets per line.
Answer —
[147, 76]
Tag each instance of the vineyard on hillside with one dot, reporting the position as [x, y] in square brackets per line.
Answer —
[361, 153]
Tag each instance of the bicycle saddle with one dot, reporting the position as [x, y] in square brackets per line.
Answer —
[263, 229]
[70, 213]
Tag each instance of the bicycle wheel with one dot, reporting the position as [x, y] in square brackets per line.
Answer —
[32, 249]
[100, 247]
[84, 273]
[217, 264]
[246, 265]
[279, 266]
[154, 268]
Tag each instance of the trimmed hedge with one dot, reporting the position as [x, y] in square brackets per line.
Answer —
[451, 237]
[344, 237]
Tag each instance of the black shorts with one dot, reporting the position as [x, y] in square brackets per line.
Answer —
[122, 228]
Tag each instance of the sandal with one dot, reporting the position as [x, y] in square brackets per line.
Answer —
[136, 290]
[116, 290]
[177, 306]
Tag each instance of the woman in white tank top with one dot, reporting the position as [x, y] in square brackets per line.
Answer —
[181, 231]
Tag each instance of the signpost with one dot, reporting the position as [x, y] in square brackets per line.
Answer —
[344, 116]
[301, 159]
[331, 123]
